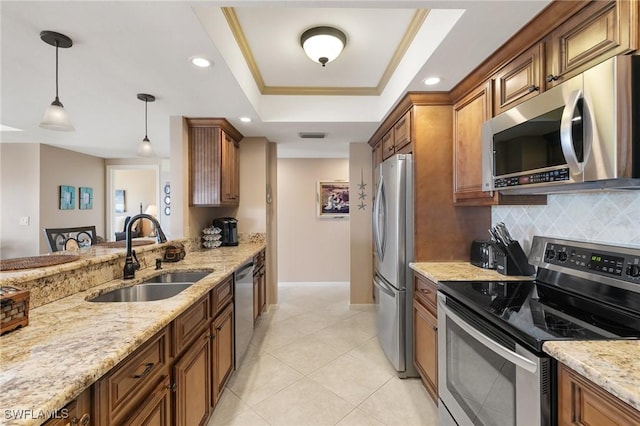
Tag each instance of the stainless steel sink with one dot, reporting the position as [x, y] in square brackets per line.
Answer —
[178, 277]
[160, 287]
[142, 292]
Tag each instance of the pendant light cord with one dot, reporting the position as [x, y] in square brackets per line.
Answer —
[145, 119]
[57, 44]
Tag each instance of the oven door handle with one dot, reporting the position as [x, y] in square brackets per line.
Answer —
[511, 356]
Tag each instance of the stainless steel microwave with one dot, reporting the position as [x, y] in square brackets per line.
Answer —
[583, 134]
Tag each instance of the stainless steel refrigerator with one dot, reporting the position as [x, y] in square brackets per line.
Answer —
[393, 247]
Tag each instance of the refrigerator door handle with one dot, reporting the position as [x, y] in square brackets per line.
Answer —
[380, 202]
[384, 287]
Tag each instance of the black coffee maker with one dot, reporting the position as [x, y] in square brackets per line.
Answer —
[229, 227]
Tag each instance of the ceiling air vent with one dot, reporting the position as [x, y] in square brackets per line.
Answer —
[312, 135]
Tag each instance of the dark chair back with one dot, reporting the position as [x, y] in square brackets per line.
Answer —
[60, 239]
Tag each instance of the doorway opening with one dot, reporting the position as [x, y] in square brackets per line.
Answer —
[131, 190]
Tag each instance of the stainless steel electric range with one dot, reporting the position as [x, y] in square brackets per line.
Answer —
[492, 369]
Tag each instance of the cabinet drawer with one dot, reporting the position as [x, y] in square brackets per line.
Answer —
[425, 291]
[123, 389]
[222, 294]
[190, 324]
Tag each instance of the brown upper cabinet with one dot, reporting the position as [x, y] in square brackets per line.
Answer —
[388, 148]
[214, 172]
[402, 132]
[599, 31]
[468, 115]
[519, 80]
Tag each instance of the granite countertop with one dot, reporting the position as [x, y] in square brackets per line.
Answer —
[612, 365]
[70, 343]
[460, 271]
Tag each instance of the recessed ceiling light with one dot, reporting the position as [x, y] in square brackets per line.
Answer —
[431, 81]
[245, 119]
[201, 62]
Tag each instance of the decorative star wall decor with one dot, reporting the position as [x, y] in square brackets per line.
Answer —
[362, 196]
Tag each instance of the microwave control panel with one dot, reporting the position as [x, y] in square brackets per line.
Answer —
[528, 179]
[617, 265]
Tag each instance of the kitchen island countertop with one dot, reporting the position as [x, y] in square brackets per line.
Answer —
[70, 343]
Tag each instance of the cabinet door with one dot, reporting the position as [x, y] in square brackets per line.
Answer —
[425, 344]
[601, 30]
[519, 80]
[230, 173]
[581, 402]
[77, 412]
[402, 131]
[388, 148]
[262, 290]
[156, 409]
[223, 350]
[204, 166]
[468, 116]
[192, 376]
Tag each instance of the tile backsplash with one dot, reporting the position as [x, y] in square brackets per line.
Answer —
[605, 217]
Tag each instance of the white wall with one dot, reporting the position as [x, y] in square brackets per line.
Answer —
[19, 198]
[607, 217]
[310, 249]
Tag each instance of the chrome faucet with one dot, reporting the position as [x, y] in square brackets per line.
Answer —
[131, 264]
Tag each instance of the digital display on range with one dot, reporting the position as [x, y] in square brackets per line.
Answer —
[606, 263]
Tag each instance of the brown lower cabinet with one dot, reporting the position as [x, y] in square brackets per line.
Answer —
[425, 334]
[177, 376]
[192, 378]
[581, 402]
[222, 350]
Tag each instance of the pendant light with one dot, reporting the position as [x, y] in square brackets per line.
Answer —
[55, 116]
[144, 147]
[323, 44]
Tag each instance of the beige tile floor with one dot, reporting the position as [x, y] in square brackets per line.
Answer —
[314, 360]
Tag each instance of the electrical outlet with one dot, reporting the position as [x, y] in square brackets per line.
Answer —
[24, 220]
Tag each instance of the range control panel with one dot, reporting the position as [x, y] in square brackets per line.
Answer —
[606, 263]
[541, 177]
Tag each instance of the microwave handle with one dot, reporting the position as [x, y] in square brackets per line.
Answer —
[491, 344]
[566, 137]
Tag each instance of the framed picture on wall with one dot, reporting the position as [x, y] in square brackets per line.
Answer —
[120, 204]
[333, 199]
[86, 198]
[67, 197]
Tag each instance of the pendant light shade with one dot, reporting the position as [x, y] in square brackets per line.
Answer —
[145, 149]
[323, 44]
[55, 116]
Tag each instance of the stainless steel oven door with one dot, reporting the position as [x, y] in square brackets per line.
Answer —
[484, 376]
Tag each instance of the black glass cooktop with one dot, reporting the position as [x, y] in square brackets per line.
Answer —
[536, 312]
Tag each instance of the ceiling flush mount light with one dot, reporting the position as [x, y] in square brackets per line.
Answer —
[55, 116]
[200, 62]
[323, 44]
[144, 147]
[431, 81]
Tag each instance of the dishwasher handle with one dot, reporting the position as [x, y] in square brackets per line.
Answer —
[244, 270]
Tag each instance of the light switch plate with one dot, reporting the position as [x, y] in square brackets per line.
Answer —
[24, 220]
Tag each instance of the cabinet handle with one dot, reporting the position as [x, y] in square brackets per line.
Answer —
[551, 78]
[85, 419]
[147, 370]
[390, 148]
[434, 328]
[533, 88]
[219, 328]
[425, 291]
[172, 387]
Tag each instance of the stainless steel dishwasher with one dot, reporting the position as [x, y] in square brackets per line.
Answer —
[243, 309]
